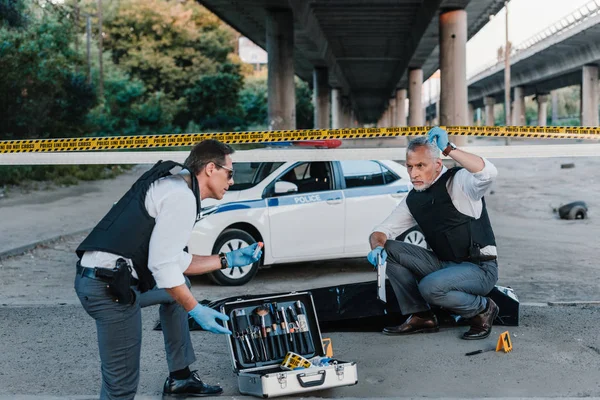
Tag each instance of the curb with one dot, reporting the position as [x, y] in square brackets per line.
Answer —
[25, 248]
[574, 303]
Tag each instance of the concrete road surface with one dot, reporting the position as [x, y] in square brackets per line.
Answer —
[48, 347]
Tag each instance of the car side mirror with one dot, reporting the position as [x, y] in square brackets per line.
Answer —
[283, 187]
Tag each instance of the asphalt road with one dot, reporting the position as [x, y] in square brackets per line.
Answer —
[48, 348]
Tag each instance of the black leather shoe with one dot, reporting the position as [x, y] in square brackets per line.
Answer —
[192, 386]
[414, 324]
[481, 324]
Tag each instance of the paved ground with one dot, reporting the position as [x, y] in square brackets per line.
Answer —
[48, 348]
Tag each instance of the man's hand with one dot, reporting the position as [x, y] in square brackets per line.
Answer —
[206, 317]
[440, 136]
[243, 256]
[373, 255]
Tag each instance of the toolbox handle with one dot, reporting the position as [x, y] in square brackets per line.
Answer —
[306, 384]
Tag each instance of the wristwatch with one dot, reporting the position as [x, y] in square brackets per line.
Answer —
[224, 263]
[451, 146]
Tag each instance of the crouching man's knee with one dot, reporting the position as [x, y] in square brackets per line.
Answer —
[431, 290]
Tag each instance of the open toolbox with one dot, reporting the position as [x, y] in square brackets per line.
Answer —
[265, 331]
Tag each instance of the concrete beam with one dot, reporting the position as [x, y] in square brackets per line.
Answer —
[281, 91]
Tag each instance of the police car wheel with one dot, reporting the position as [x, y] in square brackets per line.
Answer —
[414, 236]
[233, 239]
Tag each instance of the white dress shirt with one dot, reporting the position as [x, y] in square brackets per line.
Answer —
[172, 204]
[465, 190]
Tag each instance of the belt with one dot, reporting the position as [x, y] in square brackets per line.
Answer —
[487, 258]
[91, 273]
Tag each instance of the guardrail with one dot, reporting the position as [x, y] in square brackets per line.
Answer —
[559, 27]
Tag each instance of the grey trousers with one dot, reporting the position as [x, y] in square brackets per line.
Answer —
[419, 279]
[119, 330]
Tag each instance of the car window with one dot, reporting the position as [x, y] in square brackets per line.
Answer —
[249, 174]
[361, 173]
[310, 177]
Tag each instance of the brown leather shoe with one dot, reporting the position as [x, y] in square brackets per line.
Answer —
[481, 324]
[414, 324]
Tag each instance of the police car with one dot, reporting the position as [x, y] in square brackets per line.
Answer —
[302, 211]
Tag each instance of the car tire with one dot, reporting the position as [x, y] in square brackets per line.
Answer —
[414, 236]
[233, 239]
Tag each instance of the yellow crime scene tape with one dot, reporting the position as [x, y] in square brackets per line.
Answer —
[189, 139]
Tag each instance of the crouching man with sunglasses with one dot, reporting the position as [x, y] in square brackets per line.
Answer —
[135, 257]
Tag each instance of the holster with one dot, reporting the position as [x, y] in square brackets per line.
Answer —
[119, 281]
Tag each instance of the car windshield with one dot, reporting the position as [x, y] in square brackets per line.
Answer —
[250, 174]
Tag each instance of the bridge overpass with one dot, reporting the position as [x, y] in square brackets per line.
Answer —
[362, 56]
[564, 54]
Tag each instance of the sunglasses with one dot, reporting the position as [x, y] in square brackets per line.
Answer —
[230, 171]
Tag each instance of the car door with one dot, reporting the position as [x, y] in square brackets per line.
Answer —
[371, 192]
[309, 222]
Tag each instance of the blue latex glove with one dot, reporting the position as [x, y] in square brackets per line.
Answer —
[440, 136]
[243, 256]
[206, 317]
[377, 251]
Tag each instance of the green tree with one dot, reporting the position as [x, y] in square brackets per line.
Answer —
[128, 109]
[253, 100]
[168, 45]
[182, 50]
[42, 95]
[213, 101]
[12, 13]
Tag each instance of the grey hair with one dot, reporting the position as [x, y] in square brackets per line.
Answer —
[422, 141]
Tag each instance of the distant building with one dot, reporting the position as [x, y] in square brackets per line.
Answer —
[250, 53]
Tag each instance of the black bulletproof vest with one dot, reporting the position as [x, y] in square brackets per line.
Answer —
[452, 235]
[126, 229]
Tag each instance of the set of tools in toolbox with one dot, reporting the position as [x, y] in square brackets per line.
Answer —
[269, 331]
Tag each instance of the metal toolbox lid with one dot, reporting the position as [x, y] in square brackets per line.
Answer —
[249, 306]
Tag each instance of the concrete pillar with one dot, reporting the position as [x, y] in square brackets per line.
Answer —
[518, 112]
[554, 94]
[386, 118]
[478, 116]
[542, 102]
[489, 111]
[400, 118]
[415, 85]
[322, 105]
[280, 58]
[471, 111]
[393, 112]
[453, 70]
[336, 109]
[345, 112]
[589, 96]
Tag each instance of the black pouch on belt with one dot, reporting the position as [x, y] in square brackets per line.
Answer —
[119, 281]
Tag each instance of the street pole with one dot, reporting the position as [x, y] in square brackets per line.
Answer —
[100, 69]
[507, 73]
[88, 43]
[76, 7]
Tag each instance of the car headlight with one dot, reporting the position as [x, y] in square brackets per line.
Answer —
[206, 211]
